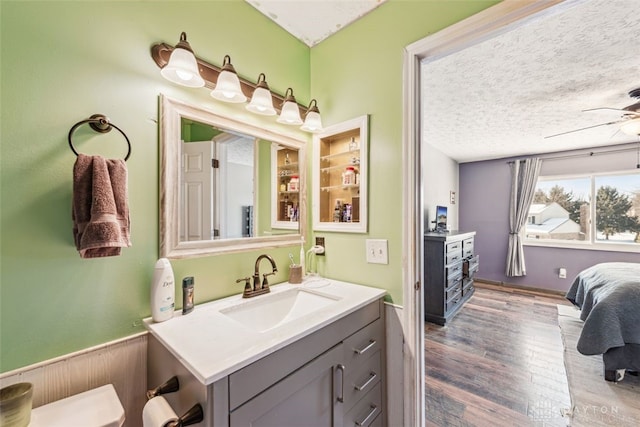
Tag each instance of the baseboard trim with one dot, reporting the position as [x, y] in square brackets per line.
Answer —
[486, 283]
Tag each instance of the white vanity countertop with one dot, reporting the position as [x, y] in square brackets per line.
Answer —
[212, 345]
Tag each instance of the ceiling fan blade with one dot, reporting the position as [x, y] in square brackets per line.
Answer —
[613, 109]
[585, 128]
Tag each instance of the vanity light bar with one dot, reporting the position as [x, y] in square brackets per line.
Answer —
[161, 52]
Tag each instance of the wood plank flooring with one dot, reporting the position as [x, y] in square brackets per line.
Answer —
[499, 362]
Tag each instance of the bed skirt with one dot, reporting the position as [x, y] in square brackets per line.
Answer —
[627, 357]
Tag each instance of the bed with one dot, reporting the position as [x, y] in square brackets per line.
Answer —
[608, 296]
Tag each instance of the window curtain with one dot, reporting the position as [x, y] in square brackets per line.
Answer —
[524, 176]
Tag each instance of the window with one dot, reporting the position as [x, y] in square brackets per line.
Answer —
[600, 211]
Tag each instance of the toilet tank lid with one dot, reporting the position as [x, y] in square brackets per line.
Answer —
[98, 407]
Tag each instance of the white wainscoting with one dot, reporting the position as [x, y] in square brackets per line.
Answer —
[395, 365]
[122, 363]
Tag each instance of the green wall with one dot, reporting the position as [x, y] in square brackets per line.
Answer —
[359, 71]
[63, 61]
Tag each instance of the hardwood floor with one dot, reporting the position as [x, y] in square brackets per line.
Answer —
[499, 362]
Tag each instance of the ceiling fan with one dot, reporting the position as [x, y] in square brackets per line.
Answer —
[630, 117]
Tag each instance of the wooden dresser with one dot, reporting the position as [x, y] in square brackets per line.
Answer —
[450, 264]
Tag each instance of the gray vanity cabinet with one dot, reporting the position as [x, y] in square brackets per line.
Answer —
[333, 377]
[304, 398]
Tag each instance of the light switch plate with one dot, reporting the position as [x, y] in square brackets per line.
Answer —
[377, 251]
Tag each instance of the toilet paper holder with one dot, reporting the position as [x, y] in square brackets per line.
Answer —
[192, 416]
[169, 386]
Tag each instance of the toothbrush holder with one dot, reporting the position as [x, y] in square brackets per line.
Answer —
[295, 273]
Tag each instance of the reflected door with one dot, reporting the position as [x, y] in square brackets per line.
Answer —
[197, 191]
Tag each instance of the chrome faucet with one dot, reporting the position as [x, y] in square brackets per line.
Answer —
[258, 288]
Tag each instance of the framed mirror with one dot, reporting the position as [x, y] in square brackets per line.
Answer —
[218, 178]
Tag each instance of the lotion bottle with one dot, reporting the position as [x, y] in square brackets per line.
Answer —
[162, 291]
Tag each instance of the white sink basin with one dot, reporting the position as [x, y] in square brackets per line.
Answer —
[268, 311]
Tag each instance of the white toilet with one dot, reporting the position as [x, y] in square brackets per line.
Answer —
[99, 407]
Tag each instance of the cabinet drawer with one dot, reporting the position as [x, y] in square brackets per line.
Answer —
[361, 379]
[454, 270]
[467, 252]
[467, 243]
[454, 290]
[453, 281]
[470, 266]
[455, 300]
[467, 287]
[454, 256]
[453, 246]
[367, 411]
[362, 344]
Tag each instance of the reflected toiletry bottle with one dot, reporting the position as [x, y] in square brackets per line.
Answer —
[162, 291]
[187, 295]
[337, 211]
[302, 256]
[352, 144]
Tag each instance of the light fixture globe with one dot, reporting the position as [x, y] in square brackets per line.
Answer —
[182, 67]
[312, 120]
[262, 101]
[631, 127]
[228, 85]
[290, 114]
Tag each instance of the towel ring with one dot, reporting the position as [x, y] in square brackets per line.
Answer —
[100, 123]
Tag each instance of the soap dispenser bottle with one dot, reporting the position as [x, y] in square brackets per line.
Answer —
[162, 291]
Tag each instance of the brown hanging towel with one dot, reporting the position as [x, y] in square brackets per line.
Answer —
[100, 209]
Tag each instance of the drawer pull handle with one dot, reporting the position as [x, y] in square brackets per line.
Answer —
[362, 350]
[374, 410]
[372, 376]
[341, 368]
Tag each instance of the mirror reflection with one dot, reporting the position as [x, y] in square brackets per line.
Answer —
[217, 181]
[226, 185]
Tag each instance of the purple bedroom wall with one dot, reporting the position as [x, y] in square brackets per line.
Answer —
[484, 196]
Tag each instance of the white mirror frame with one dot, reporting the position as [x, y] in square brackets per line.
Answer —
[171, 112]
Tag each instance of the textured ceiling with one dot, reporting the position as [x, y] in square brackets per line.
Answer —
[312, 21]
[501, 98]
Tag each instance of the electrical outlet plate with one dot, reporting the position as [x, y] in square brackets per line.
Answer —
[320, 242]
[377, 251]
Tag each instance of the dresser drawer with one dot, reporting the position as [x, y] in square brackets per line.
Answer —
[367, 411]
[467, 287]
[453, 271]
[453, 302]
[454, 256]
[453, 281]
[470, 266]
[452, 290]
[361, 379]
[467, 243]
[467, 252]
[453, 247]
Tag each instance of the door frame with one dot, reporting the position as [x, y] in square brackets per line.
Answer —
[484, 25]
